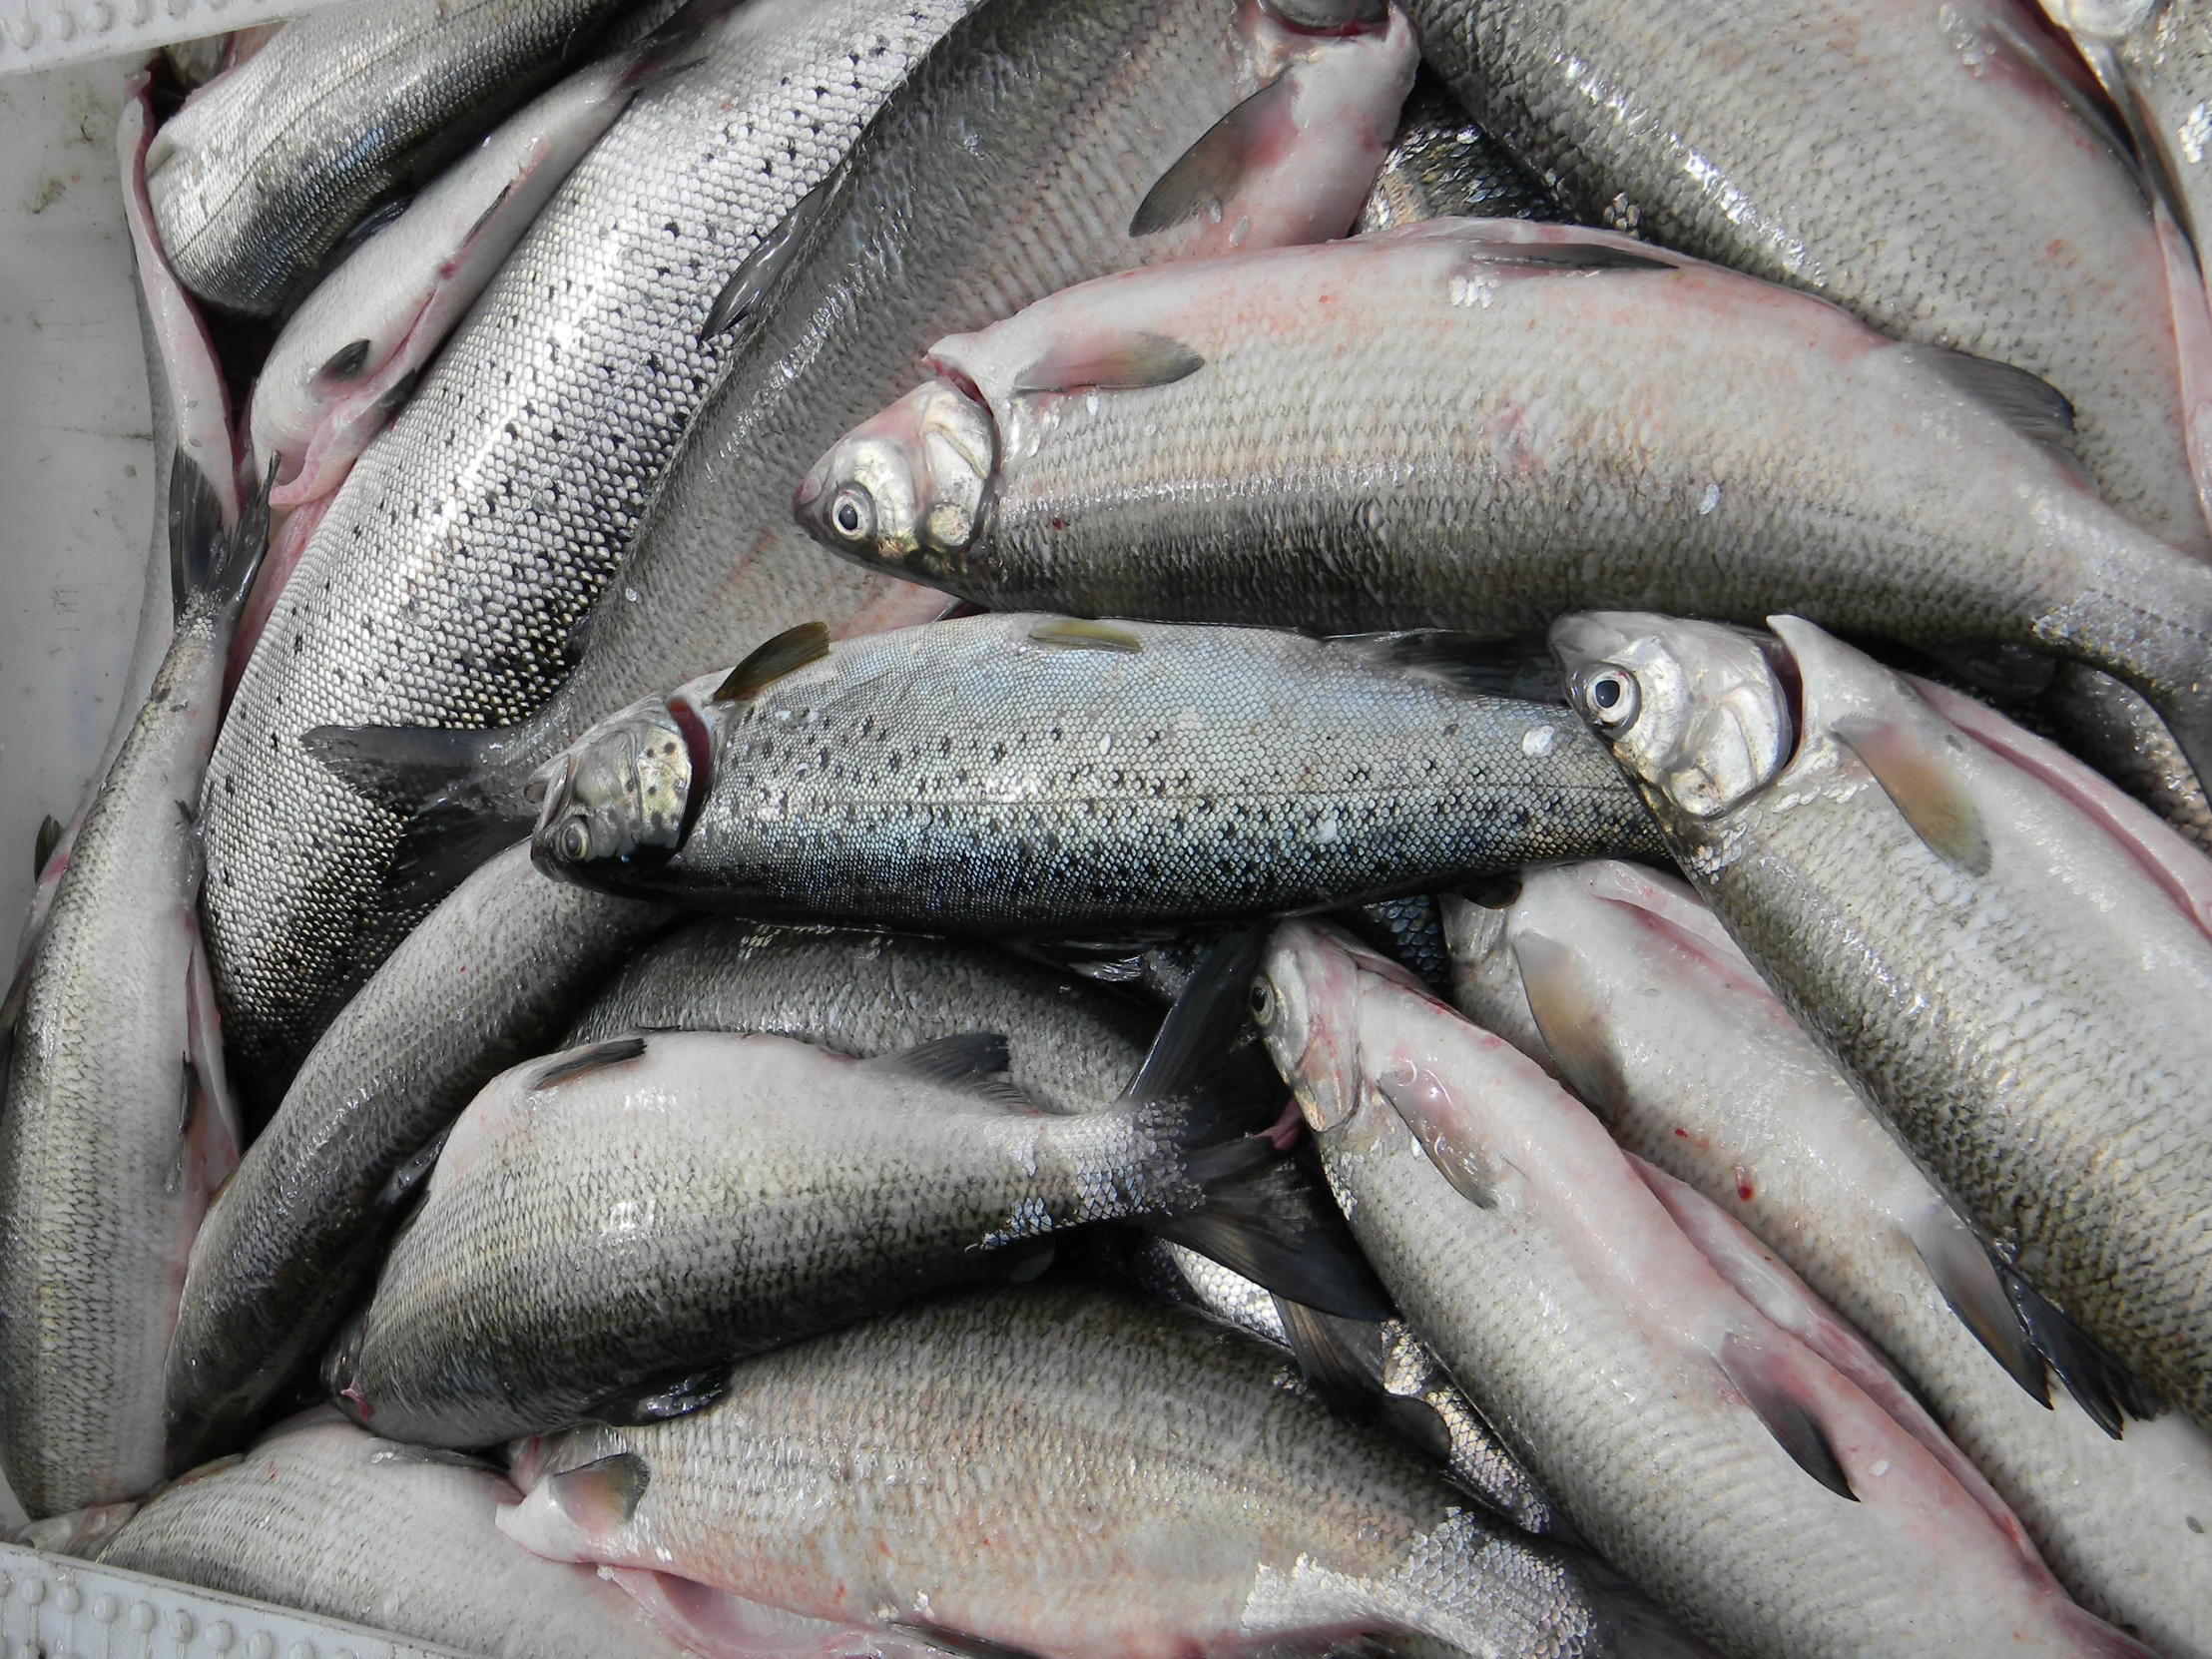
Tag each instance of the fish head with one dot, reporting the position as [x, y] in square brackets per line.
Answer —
[1305, 1004]
[1694, 712]
[906, 488]
[621, 789]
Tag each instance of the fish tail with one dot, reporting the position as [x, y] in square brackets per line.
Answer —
[210, 570]
[448, 784]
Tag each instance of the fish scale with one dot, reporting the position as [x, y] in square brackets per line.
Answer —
[442, 585]
[867, 1476]
[1021, 773]
[1930, 177]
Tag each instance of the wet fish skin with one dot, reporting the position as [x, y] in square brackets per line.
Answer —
[325, 1516]
[1696, 1067]
[1441, 164]
[762, 1189]
[267, 167]
[1940, 183]
[1013, 774]
[936, 230]
[488, 979]
[2052, 909]
[447, 579]
[118, 1120]
[1458, 422]
[1607, 1351]
[1072, 1044]
[1147, 1441]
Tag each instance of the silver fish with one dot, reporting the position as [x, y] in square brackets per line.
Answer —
[1041, 144]
[323, 1516]
[1667, 1031]
[1779, 1492]
[118, 1120]
[913, 1473]
[1441, 164]
[609, 1224]
[448, 573]
[1942, 176]
[265, 168]
[2011, 958]
[1072, 1045]
[1019, 773]
[1521, 420]
[294, 1239]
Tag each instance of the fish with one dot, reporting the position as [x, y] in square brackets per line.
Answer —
[2111, 726]
[351, 352]
[1940, 905]
[260, 176]
[1669, 1034]
[608, 1227]
[519, 469]
[1950, 179]
[1774, 1501]
[322, 1515]
[1072, 1046]
[1041, 143]
[1441, 164]
[1017, 773]
[294, 1239]
[1522, 419]
[118, 1120]
[912, 1472]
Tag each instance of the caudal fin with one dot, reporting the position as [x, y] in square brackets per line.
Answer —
[445, 783]
[210, 570]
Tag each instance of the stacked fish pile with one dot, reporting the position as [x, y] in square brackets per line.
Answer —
[1151, 826]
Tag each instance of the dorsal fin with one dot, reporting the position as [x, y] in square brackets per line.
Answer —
[1463, 662]
[770, 661]
[972, 1063]
[2027, 403]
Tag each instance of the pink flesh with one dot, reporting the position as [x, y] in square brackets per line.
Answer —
[2179, 870]
[2193, 338]
[286, 542]
[1486, 1096]
[1767, 1283]
[201, 406]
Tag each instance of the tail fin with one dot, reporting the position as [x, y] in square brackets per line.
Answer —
[1279, 1227]
[209, 570]
[1631, 1625]
[445, 782]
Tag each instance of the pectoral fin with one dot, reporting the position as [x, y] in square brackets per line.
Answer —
[1925, 787]
[1796, 1429]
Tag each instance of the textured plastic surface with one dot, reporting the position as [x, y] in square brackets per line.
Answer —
[57, 1608]
[38, 33]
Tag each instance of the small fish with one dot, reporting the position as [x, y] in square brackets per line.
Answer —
[2013, 957]
[268, 166]
[1737, 1474]
[1521, 420]
[294, 1239]
[1668, 1033]
[320, 1516]
[1014, 774]
[912, 1472]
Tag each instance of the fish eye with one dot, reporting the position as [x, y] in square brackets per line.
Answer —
[575, 843]
[1609, 696]
[853, 513]
[1262, 1002]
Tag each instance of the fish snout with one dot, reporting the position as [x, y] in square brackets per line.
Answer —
[1303, 1001]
